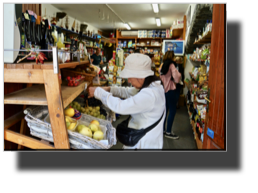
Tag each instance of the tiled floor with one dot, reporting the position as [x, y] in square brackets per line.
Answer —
[181, 127]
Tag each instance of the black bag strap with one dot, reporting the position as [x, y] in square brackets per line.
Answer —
[125, 122]
[153, 125]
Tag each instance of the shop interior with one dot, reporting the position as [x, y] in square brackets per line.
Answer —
[48, 70]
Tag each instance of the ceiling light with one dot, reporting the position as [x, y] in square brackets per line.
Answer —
[127, 26]
[158, 22]
[155, 8]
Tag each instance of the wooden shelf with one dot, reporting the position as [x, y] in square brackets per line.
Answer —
[128, 47]
[177, 33]
[75, 33]
[205, 39]
[36, 95]
[149, 38]
[126, 38]
[46, 65]
[13, 120]
[149, 46]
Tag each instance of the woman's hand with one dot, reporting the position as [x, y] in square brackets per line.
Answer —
[91, 92]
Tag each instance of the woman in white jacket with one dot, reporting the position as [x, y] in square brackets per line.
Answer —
[145, 101]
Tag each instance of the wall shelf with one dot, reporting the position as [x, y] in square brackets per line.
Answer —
[202, 13]
[205, 39]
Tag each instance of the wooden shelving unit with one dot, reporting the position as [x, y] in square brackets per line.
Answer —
[205, 39]
[50, 91]
[177, 33]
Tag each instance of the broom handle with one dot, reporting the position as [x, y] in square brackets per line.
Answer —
[24, 57]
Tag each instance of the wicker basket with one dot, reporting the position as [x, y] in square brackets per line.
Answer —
[35, 119]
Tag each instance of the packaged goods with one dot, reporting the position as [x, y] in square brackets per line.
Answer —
[111, 69]
[110, 77]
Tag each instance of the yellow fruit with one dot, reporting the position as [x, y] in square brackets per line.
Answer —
[86, 131]
[79, 128]
[93, 127]
[69, 112]
[69, 119]
[72, 126]
[98, 135]
[94, 122]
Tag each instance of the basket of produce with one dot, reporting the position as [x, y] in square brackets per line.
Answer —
[39, 123]
[75, 80]
[87, 76]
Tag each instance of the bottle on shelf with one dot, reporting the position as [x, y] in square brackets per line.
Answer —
[210, 28]
[117, 60]
[200, 35]
[206, 27]
[114, 54]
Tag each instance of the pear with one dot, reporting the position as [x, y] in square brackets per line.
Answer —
[98, 135]
[80, 127]
[86, 131]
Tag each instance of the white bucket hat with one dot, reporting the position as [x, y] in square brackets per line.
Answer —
[137, 66]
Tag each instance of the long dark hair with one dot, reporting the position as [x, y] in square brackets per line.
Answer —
[150, 79]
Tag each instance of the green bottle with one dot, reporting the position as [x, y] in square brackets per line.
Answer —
[117, 60]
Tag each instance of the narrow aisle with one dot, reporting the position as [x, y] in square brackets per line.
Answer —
[181, 127]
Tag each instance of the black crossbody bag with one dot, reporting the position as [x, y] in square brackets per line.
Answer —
[129, 136]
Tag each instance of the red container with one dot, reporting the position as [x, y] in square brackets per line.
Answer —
[74, 81]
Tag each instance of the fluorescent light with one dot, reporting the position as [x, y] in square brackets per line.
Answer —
[158, 22]
[155, 8]
[127, 26]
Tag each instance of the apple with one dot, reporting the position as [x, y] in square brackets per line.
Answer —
[94, 122]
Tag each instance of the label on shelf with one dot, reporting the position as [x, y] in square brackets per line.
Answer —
[210, 133]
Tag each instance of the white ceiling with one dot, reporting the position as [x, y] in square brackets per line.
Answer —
[138, 16]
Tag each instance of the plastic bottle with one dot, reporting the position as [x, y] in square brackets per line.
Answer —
[114, 54]
[210, 28]
[206, 27]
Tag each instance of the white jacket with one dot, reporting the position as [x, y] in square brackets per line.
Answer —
[145, 107]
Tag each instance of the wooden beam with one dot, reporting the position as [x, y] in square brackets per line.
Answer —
[56, 110]
[13, 120]
[23, 126]
[23, 76]
[25, 140]
[184, 27]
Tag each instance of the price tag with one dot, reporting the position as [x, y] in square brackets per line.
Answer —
[210, 133]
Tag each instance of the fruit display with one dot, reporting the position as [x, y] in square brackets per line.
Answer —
[93, 109]
[93, 130]
[70, 123]
[74, 81]
[69, 112]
